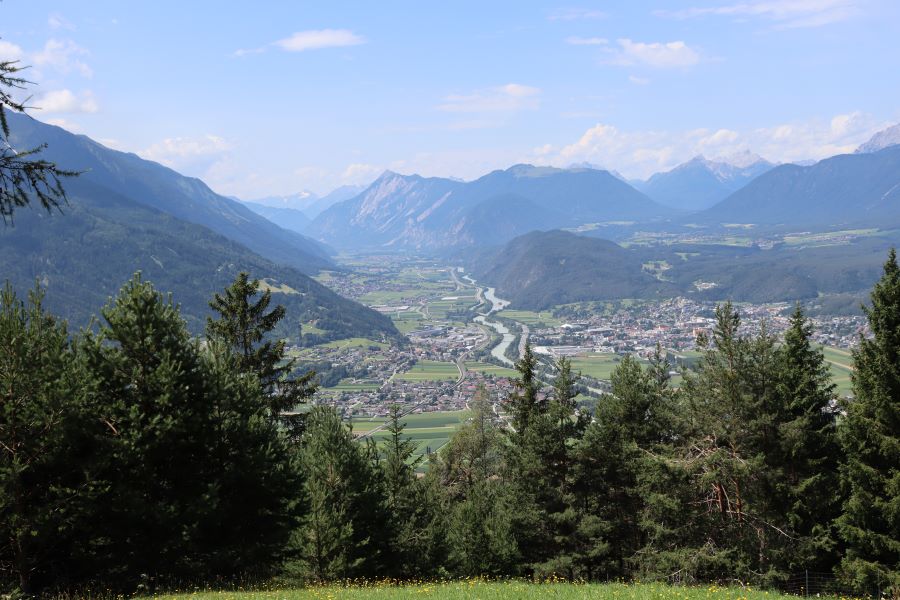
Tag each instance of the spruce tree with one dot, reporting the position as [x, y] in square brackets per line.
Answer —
[24, 177]
[870, 438]
[345, 532]
[245, 325]
[804, 455]
[41, 482]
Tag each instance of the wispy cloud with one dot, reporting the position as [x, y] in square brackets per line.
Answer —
[659, 55]
[505, 98]
[587, 41]
[576, 14]
[784, 14]
[638, 80]
[63, 56]
[183, 151]
[10, 51]
[640, 153]
[66, 101]
[57, 21]
[312, 39]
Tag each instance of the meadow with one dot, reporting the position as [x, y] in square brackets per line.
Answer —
[430, 370]
[431, 430]
[508, 590]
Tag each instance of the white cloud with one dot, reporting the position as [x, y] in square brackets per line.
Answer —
[642, 153]
[57, 21]
[660, 55]
[62, 55]
[183, 151]
[784, 13]
[65, 124]
[638, 80]
[10, 51]
[576, 14]
[505, 98]
[360, 173]
[312, 39]
[590, 41]
[65, 101]
[320, 38]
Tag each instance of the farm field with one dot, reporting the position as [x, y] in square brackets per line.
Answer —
[489, 369]
[596, 365]
[430, 370]
[841, 363]
[509, 590]
[529, 317]
[431, 430]
[355, 342]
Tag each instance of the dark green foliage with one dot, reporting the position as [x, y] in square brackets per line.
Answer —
[42, 393]
[83, 256]
[244, 326]
[23, 176]
[870, 439]
[346, 530]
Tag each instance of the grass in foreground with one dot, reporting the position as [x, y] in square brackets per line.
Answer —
[512, 590]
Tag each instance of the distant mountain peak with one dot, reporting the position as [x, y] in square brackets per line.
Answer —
[881, 140]
[741, 159]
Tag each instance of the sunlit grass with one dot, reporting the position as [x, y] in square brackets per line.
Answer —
[510, 590]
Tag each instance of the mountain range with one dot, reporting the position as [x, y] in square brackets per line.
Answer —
[126, 214]
[154, 185]
[845, 191]
[701, 183]
[414, 212]
[308, 202]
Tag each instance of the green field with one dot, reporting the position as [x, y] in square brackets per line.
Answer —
[431, 430]
[596, 365]
[841, 363]
[430, 370]
[489, 369]
[530, 317]
[355, 342]
[509, 590]
[349, 385]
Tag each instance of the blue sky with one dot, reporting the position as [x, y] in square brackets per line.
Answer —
[261, 98]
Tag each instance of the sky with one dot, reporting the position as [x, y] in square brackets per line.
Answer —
[271, 98]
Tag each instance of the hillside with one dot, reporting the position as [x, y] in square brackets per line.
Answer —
[539, 270]
[409, 211]
[846, 191]
[287, 218]
[159, 187]
[82, 257]
[701, 183]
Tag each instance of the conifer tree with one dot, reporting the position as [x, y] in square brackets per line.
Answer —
[524, 402]
[804, 454]
[24, 177]
[244, 325]
[870, 438]
[345, 532]
[41, 394]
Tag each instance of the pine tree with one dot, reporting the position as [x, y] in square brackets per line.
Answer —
[41, 392]
[23, 176]
[151, 391]
[524, 403]
[870, 439]
[804, 454]
[244, 325]
[345, 532]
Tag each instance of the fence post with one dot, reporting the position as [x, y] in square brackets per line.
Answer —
[807, 583]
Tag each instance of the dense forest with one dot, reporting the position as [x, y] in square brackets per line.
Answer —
[133, 457]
